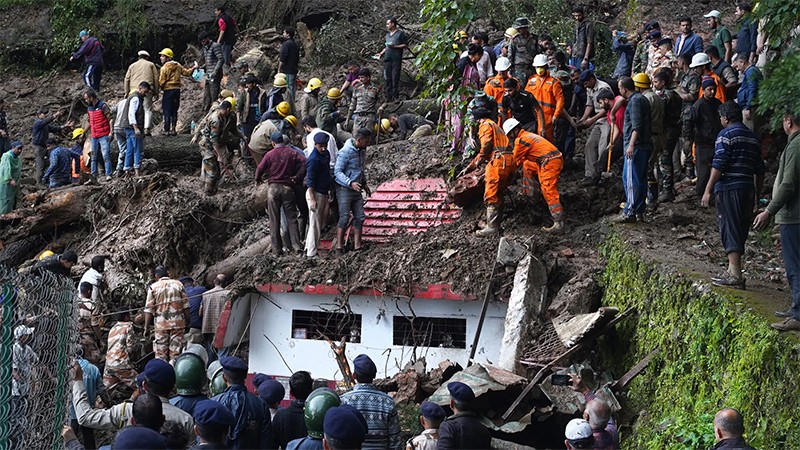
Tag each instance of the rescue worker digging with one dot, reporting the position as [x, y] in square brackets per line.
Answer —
[214, 144]
[538, 158]
[500, 167]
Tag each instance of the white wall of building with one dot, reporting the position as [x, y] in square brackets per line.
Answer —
[272, 316]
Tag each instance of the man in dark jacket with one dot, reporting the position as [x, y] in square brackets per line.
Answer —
[729, 429]
[289, 60]
[462, 430]
[704, 126]
[92, 50]
[62, 162]
[289, 423]
[58, 264]
[284, 168]
[748, 31]
[227, 33]
[252, 429]
[213, 61]
[42, 127]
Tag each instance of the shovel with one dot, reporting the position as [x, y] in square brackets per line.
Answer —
[607, 173]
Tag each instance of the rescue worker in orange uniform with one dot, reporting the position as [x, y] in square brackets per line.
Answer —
[547, 91]
[500, 168]
[494, 85]
[538, 158]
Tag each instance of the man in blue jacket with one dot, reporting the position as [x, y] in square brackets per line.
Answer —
[92, 51]
[751, 78]
[351, 182]
[688, 43]
[61, 163]
[252, 429]
[318, 184]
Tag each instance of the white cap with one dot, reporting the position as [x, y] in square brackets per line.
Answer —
[577, 429]
[509, 125]
[22, 330]
[540, 61]
[502, 64]
[714, 13]
[144, 53]
[699, 59]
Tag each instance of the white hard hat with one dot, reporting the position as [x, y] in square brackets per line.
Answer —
[700, 59]
[198, 350]
[578, 429]
[509, 125]
[502, 64]
[22, 330]
[540, 61]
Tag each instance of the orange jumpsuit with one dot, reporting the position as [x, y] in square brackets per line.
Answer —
[547, 91]
[494, 88]
[720, 95]
[539, 157]
[501, 165]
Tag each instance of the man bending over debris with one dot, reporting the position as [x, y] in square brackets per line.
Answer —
[215, 135]
[500, 167]
[462, 430]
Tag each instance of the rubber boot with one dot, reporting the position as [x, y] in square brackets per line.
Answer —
[652, 195]
[558, 224]
[492, 222]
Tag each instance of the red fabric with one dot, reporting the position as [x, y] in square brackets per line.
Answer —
[221, 24]
[620, 118]
[98, 121]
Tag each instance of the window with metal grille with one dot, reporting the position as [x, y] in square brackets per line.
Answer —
[318, 325]
[429, 332]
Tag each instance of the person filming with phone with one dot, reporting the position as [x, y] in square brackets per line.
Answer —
[598, 414]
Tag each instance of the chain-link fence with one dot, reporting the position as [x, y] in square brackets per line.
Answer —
[38, 339]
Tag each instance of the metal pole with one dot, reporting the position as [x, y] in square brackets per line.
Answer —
[484, 307]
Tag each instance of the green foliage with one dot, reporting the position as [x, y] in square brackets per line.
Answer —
[780, 91]
[435, 56]
[546, 16]
[714, 352]
[10, 3]
[780, 18]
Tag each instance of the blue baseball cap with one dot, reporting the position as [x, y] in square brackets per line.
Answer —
[345, 424]
[321, 138]
[160, 372]
[272, 391]
[460, 392]
[260, 378]
[211, 413]
[432, 411]
[233, 364]
[139, 438]
[363, 366]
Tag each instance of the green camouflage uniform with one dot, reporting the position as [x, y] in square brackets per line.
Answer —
[166, 301]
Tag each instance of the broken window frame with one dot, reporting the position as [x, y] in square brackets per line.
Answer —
[429, 332]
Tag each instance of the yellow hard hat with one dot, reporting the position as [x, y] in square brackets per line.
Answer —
[641, 80]
[456, 48]
[77, 132]
[314, 83]
[386, 125]
[292, 121]
[511, 32]
[230, 100]
[461, 34]
[167, 52]
[280, 81]
[334, 93]
[46, 254]
[225, 93]
[283, 109]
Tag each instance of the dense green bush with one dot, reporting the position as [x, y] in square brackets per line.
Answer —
[715, 352]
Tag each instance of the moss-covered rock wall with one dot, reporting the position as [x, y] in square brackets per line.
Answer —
[715, 351]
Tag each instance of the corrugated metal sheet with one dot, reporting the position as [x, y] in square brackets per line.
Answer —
[410, 206]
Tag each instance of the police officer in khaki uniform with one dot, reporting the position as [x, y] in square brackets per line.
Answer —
[364, 107]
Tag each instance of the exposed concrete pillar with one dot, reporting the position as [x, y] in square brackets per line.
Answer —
[527, 303]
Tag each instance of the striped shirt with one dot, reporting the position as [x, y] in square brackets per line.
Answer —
[737, 154]
[379, 411]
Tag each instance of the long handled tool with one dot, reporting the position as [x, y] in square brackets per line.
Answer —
[610, 150]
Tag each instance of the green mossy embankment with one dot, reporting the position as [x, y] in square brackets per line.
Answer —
[715, 351]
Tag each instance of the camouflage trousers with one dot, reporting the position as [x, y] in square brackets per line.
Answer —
[168, 344]
[119, 375]
[210, 169]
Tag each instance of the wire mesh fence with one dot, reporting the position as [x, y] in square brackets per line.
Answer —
[38, 340]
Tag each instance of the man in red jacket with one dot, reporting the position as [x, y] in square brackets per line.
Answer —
[100, 125]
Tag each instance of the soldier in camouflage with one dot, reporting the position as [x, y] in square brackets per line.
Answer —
[216, 136]
[119, 368]
[527, 47]
[364, 106]
[167, 307]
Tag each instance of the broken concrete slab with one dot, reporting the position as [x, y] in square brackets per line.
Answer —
[527, 302]
[572, 329]
[510, 252]
[482, 378]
